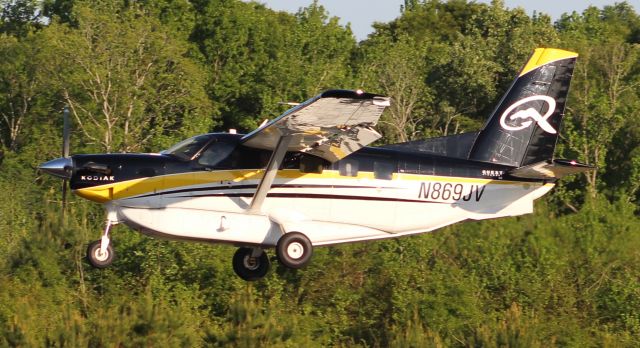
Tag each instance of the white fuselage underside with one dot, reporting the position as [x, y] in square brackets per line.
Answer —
[327, 210]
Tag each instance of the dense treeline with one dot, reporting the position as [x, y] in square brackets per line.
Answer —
[140, 75]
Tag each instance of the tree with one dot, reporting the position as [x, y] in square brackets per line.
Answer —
[258, 58]
[19, 17]
[457, 56]
[604, 90]
[397, 69]
[128, 82]
[20, 85]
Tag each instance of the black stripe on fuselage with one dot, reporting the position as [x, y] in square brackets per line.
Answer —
[254, 186]
[315, 196]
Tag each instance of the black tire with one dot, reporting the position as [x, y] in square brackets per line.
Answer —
[250, 268]
[95, 259]
[294, 250]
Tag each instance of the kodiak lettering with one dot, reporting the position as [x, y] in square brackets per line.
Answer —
[97, 178]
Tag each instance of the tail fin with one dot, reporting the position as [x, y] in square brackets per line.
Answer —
[523, 128]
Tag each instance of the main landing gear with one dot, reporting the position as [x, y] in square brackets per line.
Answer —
[100, 253]
[294, 251]
[251, 264]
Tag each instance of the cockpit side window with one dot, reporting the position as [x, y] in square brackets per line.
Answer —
[215, 153]
[188, 148]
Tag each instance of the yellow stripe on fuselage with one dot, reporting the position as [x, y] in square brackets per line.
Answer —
[542, 56]
[130, 188]
[135, 187]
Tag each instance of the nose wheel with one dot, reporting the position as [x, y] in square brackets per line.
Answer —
[100, 253]
[98, 258]
[251, 264]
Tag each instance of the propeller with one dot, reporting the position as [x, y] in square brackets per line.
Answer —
[66, 137]
[62, 167]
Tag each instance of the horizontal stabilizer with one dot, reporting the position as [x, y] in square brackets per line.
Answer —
[551, 169]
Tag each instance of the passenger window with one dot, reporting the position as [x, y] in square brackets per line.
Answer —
[311, 164]
[428, 166]
[383, 170]
[215, 153]
[409, 166]
[348, 168]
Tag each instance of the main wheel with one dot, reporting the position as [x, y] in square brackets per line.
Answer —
[294, 250]
[248, 267]
[98, 259]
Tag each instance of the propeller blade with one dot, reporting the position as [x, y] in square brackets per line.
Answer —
[66, 137]
[64, 196]
[66, 134]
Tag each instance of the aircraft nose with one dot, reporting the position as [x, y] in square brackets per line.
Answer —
[59, 167]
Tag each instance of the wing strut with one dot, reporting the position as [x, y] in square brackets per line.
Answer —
[270, 173]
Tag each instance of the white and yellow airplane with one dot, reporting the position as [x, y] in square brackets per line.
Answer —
[307, 178]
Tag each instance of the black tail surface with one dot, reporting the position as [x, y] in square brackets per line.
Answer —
[523, 129]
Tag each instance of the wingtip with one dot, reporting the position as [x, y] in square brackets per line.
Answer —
[382, 101]
[346, 93]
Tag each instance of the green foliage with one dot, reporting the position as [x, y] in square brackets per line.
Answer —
[445, 64]
[140, 75]
[258, 58]
[130, 85]
[19, 17]
[604, 95]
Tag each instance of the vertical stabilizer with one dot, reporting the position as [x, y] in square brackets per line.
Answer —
[523, 128]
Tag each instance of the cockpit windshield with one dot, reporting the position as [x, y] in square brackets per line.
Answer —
[186, 149]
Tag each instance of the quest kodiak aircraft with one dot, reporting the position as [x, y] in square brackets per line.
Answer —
[307, 178]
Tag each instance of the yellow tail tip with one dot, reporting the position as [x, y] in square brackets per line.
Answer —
[542, 56]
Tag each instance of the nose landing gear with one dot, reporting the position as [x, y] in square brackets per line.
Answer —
[97, 257]
[100, 253]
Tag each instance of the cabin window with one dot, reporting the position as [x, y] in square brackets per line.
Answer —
[311, 164]
[409, 166]
[428, 166]
[348, 168]
[215, 153]
[248, 158]
[383, 170]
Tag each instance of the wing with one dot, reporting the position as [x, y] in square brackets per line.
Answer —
[331, 125]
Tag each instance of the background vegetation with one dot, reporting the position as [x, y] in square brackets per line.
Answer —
[140, 75]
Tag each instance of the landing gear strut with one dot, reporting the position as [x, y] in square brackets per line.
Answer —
[251, 264]
[100, 253]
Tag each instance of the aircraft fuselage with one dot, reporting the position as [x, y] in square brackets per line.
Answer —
[372, 194]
